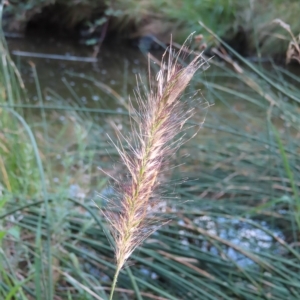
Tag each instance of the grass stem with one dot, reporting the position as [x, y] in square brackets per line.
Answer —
[114, 283]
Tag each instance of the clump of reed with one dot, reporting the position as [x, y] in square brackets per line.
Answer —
[159, 119]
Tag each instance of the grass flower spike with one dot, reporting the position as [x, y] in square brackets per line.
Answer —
[160, 118]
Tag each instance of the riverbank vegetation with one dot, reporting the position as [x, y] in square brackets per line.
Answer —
[247, 25]
[233, 230]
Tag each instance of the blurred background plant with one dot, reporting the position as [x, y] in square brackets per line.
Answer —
[246, 24]
[233, 205]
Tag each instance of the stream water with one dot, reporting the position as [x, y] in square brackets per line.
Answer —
[116, 68]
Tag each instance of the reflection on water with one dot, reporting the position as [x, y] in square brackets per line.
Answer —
[116, 67]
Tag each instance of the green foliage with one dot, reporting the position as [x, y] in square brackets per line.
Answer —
[186, 14]
[264, 36]
[18, 169]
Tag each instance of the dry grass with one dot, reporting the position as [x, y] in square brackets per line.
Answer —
[160, 118]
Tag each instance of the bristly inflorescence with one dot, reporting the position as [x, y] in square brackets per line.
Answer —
[161, 118]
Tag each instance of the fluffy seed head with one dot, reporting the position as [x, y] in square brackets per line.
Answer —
[161, 117]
